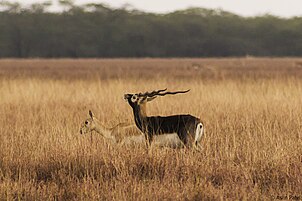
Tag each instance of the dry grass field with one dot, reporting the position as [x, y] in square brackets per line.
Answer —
[251, 108]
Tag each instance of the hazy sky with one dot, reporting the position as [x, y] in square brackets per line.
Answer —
[284, 8]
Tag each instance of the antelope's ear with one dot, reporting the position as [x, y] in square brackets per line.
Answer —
[141, 100]
[151, 98]
[91, 114]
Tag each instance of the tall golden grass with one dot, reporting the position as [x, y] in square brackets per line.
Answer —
[251, 108]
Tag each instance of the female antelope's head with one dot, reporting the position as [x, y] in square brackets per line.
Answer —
[88, 125]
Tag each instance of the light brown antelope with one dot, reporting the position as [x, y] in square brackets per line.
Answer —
[126, 134]
[188, 128]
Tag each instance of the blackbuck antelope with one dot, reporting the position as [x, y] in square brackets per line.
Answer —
[126, 134]
[188, 128]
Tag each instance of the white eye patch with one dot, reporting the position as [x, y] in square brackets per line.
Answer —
[134, 98]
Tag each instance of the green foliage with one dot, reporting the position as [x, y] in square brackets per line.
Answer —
[96, 30]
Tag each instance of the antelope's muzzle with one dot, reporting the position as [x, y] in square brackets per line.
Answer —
[127, 96]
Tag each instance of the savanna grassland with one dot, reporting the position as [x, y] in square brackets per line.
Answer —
[251, 109]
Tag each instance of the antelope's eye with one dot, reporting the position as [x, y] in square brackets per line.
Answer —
[134, 98]
[86, 122]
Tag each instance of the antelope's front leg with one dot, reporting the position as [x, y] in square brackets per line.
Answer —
[148, 139]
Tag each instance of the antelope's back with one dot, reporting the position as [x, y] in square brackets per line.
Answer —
[172, 124]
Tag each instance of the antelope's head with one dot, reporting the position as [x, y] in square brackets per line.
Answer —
[89, 124]
[138, 99]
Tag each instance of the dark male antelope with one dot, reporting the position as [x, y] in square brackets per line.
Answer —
[188, 128]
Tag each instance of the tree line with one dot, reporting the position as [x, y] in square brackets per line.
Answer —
[97, 30]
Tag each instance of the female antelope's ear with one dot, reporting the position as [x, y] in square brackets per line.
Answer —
[91, 114]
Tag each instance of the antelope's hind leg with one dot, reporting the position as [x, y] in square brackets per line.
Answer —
[183, 136]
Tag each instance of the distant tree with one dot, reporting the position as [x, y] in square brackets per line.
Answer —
[67, 4]
[11, 7]
[97, 30]
[40, 7]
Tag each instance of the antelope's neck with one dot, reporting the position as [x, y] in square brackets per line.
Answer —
[105, 132]
[140, 115]
[143, 110]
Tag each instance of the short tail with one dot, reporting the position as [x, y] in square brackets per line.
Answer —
[198, 133]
